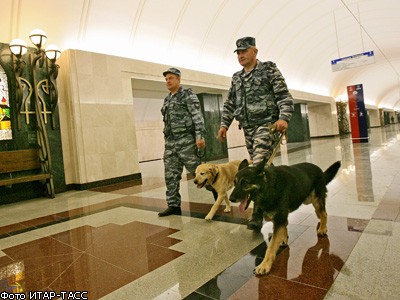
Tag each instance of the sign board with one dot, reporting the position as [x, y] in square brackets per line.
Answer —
[365, 58]
[358, 114]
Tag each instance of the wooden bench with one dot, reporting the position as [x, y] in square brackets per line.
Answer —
[16, 161]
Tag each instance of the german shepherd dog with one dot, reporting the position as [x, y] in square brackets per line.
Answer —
[218, 177]
[279, 190]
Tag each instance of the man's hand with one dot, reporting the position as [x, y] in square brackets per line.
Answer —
[200, 143]
[281, 125]
[222, 134]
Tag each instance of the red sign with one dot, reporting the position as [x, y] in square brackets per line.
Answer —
[358, 114]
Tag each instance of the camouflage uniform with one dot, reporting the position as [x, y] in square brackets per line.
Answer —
[183, 124]
[258, 99]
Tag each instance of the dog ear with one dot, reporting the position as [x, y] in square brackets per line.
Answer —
[243, 164]
[261, 165]
[213, 170]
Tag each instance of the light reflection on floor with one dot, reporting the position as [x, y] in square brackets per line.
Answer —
[110, 242]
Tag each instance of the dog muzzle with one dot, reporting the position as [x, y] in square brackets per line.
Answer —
[200, 185]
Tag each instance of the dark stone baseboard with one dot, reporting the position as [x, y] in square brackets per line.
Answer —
[135, 178]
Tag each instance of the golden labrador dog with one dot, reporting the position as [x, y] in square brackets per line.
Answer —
[220, 177]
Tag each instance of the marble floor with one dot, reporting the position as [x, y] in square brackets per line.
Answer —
[109, 243]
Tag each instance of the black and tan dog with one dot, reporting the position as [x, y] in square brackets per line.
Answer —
[220, 177]
[277, 191]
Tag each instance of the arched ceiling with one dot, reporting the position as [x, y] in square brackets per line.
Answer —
[301, 36]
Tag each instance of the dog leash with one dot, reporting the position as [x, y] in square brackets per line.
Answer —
[278, 141]
[201, 153]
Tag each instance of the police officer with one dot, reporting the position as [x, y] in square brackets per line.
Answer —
[258, 97]
[183, 135]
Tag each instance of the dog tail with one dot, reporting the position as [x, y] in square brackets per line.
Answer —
[330, 173]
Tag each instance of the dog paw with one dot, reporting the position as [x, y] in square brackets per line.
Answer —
[284, 243]
[321, 231]
[208, 218]
[228, 209]
[262, 269]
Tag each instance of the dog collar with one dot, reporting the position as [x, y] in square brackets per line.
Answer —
[215, 178]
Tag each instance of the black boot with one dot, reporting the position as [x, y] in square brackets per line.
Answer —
[171, 210]
[256, 221]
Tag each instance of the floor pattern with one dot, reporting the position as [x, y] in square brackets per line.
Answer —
[109, 243]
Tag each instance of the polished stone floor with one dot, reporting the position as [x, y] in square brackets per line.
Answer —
[109, 243]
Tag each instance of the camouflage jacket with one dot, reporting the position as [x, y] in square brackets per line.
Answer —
[258, 98]
[182, 114]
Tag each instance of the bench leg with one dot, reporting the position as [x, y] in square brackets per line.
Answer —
[50, 188]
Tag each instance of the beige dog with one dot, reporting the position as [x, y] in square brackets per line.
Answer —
[220, 177]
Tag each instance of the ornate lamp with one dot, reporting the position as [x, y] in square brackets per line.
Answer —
[38, 37]
[43, 72]
[18, 47]
[53, 52]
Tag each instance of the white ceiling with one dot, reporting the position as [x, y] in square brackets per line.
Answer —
[301, 36]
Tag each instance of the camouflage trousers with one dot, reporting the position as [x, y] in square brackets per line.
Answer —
[259, 142]
[179, 152]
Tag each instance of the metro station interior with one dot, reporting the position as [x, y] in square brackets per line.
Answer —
[86, 113]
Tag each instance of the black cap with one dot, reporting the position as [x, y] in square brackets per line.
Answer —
[172, 71]
[244, 43]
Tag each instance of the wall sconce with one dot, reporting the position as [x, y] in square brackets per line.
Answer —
[18, 47]
[43, 72]
[53, 52]
[38, 38]
[43, 62]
